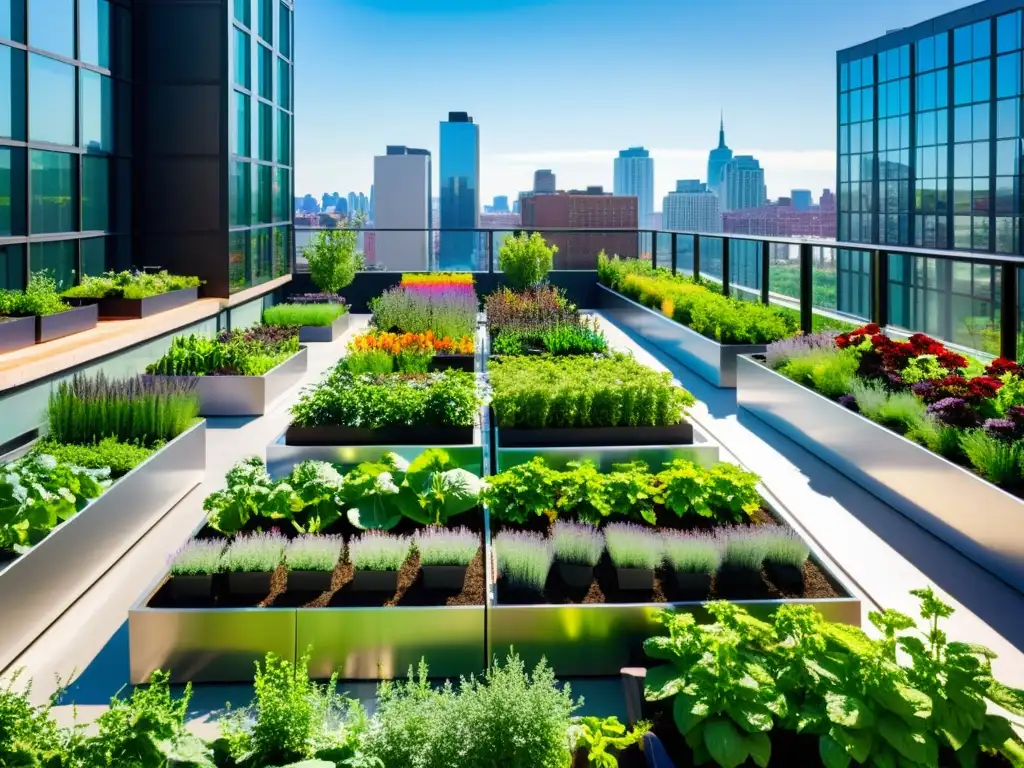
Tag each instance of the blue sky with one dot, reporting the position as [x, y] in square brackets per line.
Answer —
[565, 84]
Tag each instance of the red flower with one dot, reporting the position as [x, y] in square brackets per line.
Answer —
[1002, 366]
[982, 387]
[951, 360]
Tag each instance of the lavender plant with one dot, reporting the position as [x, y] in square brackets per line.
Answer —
[314, 552]
[633, 546]
[745, 548]
[782, 351]
[695, 552]
[445, 310]
[784, 547]
[440, 546]
[139, 410]
[378, 551]
[524, 558]
[197, 557]
[577, 543]
[254, 553]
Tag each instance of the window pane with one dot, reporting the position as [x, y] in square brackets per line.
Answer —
[855, 74]
[265, 131]
[942, 88]
[925, 54]
[284, 44]
[51, 107]
[981, 158]
[94, 32]
[981, 122]
[262, 192]
[1004, 195]
[1008, 32]
[283, 138]
[12, 92]
[243, 9]
[941, 50]
[284, 84]
[12, 191]
[266, 27]
[1008, 75]
[265, 72]
[238, 258]
[53, 192]
[282, 198]
[242, 135]
[867, 103]
[982, 42]
[962, 160]
[56, 259]
[282, 249]
[12, 22]
[52, 25]
[97, 112]
[242, 60]
[844, 70]
[982, 81]
[1007, 118]
[238, 203]
[962, 124]
[867, 75]
[94, 256]
[961, 45]
[12, 266]
[95, 193]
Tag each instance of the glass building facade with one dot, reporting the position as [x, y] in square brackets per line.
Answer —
[460, 193]
[65, 138]
[929, 155]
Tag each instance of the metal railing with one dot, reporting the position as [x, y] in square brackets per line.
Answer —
[967, 298]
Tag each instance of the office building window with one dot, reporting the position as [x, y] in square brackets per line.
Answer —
[241, 136]
[242, 11]
[284, 84]
[242, 67]
[12, 93]
[284, 141]
[94, 255]
[282, 195]
[12, 191]
[972, 42]
[265, 70]
[58, 259]
[54, 192]
[265, 132]
[97, 112]
[12, 20]
[12, 267]
[238, 194]
[51, 26]
[51, 106]
[262, 191]
[238, 260]
[284, 44]
[95, 193]
[94, 32]
[266, 25]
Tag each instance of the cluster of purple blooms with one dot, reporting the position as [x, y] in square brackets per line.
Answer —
[957, 412]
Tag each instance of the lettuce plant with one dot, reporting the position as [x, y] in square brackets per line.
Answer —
[603, 738]
[250, 493]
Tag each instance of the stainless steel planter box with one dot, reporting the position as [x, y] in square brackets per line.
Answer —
[248, 395]
[311, 333]
[61, 324]
[703, 451]
[967, 512]
[713, 361]
[17, 333]
[38, 587]
[381, 643]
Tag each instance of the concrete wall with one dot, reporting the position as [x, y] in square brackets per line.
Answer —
[402, 201]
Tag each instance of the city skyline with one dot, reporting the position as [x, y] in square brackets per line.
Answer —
[669, 101]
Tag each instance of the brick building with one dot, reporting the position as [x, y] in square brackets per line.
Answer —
[592, 208]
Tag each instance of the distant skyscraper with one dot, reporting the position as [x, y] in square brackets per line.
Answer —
[353, 202]
[371, 202]
[516, 205]
[802, 199]
[691, 208]
[717, 160]
[341, 205]
[403, 179]
[500, 204]
[460, 191]
[742, 184]
[634, 177]
[827, 201]
[543, 182]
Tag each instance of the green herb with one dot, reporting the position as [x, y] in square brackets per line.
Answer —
[784, 547]
[440, 546]
[522, 492]
[693, 552]
[633, 546]
[524, 558]
[604, 737]
[197, 557]
[109, 453]
[577, 543]
[252, 352]
[745, 548]
[375, 362]
[40, 298]
[253, 553]
[996, 460]
[313, 553]
[724, 493]
[129, 285]
[303, 314]
[378, 551]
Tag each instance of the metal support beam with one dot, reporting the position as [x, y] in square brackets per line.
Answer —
[1009, 313]
[725, 265]
[675, 259]
[696, 257]
[806, 287]
[766, 249]
[880, 288]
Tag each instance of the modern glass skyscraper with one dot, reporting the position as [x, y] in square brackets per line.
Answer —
[634, 177]
[460, 192]
[929, 144]
[741, 184]
[717, 160]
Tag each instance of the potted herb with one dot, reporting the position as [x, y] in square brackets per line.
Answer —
[316, 322]
[578, 547]
[524, 559]
[445, 555]
[784, 559]
[376, 557]
[695, 558]
[635, 552]
[740, 572]
[311, 560]
[42, 307]
[193, 566]
[250, 562]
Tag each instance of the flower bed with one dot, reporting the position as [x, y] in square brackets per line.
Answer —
[444, 304]
[539, 320]
[381, 352]
[134, 294]
[38, 314]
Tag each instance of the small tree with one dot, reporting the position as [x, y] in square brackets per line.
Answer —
[333, 258]
[526, 259]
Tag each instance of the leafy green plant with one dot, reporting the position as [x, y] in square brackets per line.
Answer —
[784, 547]
[375, 362]
[522, 492]
[40, 298]
[252, 352]
[526, 259]
[250, 493]
[316, 485]
[547, 392]
[604, 737]
[334, 258]
[129, 285]
[303, 314]
[38, 493]
[146, 412]
[745, 548]
[29, 735]
[724, 493]
[524, 558]
[996, 460]
[109, 453]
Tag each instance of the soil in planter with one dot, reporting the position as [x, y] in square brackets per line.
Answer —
[604, 587]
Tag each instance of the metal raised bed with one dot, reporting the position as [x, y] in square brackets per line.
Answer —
[594, 640]
[324, 333]
[968, 513]
[38, 587]
[61, 324]
[713, 361]
[247, 395]
[17, 333]
[120, 309]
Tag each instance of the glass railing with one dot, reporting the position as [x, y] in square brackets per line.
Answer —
[967, 299]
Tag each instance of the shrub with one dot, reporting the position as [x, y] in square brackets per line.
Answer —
[109, 453]
[313, 552]
[303, 314]
[577, 543]
[146, 412]
[446, 399]
[584, 338]
[197, 557]
[724, 319]
[633, 546]
[254, 553]
[745, 548]
[784, 547]
[250, 352]
[440, 546]
[524, 558]
[40, 297]
[723, 493]
[333, 259]
[378, 551]
[541, 392]
[526, 259]
[693, 552]
[129, 285]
